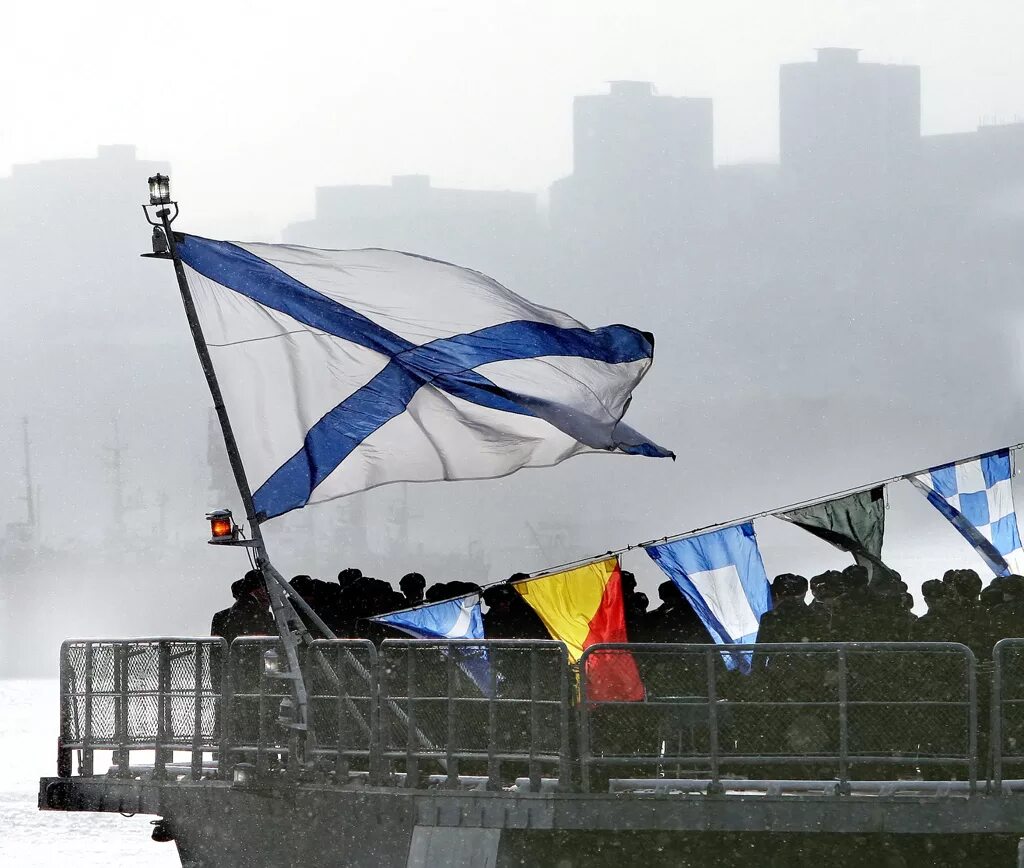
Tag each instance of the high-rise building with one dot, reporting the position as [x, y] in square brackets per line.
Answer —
[843, 122]
[636, 153]
[634, 135]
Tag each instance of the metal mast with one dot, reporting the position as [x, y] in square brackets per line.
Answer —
[289, 626]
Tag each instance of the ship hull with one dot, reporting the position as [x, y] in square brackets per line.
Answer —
[215, 824]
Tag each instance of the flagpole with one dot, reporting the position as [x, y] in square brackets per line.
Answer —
[285, 618]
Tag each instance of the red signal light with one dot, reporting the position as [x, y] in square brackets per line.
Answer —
[222, 527]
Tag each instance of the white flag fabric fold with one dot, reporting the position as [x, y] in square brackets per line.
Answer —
[343, 370]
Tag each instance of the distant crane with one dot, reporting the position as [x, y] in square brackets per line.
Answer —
[29, 495]
[116, 465]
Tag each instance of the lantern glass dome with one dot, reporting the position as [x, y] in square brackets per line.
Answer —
[271, 663]
[159, 190]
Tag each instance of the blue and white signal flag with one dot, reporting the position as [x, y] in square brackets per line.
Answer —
[449, 619]
[722, 576]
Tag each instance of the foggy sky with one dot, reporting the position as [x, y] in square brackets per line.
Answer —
[255, 103]
[785, 370]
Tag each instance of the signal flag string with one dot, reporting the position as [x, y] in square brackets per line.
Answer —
[802, 504]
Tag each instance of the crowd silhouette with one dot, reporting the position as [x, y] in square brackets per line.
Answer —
[902, 709]
[848, 606]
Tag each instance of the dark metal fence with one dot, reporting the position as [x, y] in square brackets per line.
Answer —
[494, 710]
[343, 697]
[458, 713]
[1007, 722]
[159, 695]
[253, 702]
[341, 678]
[817, 711]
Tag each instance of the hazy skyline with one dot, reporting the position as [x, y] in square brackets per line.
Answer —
[810, 338]
[254, 109]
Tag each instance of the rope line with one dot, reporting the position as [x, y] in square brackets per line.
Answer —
[802, 504]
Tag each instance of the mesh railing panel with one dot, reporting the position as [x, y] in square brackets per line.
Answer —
[145, 694]
[254, 705]
[1008, 709]
[864, 711]
[498, 709]
[341, 676]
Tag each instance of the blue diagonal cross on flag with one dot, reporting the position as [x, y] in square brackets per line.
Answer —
[348, 369]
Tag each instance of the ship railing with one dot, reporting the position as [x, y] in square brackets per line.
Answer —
[252, 703]
[158, 696]
[492, 714]
[1007, 712]
[343, 678]
[485, 713]
[837, 711]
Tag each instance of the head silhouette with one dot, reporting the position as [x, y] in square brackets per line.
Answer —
[413, 585]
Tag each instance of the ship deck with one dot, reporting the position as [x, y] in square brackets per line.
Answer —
[855, 749]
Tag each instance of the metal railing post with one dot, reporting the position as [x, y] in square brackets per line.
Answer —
[412, 767]
[584, 715]
[844, 722]
[85, 763]
[452, 680]
[533, 769]
[124, 749]
[375, 742]
[225, 720]
[197, 719]
[997, 717]
[341, 760]
[262, 760]
[713, 720]
[162, 710]
[493, 763]
[565, 750]
[67, 698]
[972, 721]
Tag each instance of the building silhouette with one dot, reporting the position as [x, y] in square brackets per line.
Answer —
[984, 168]
[641, 160]
[837, 302]
[846, 122]
[410, 214]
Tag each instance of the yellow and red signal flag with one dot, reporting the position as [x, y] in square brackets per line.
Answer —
[583, 607]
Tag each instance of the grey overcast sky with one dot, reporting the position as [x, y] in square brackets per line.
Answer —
[255, 102]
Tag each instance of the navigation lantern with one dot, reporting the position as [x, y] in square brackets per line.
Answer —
[243, 775]
[271, 663]
[222, 527]
[286, 712]
[159, 190]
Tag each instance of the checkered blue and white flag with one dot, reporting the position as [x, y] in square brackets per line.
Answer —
[975, 495]
[347, 369]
